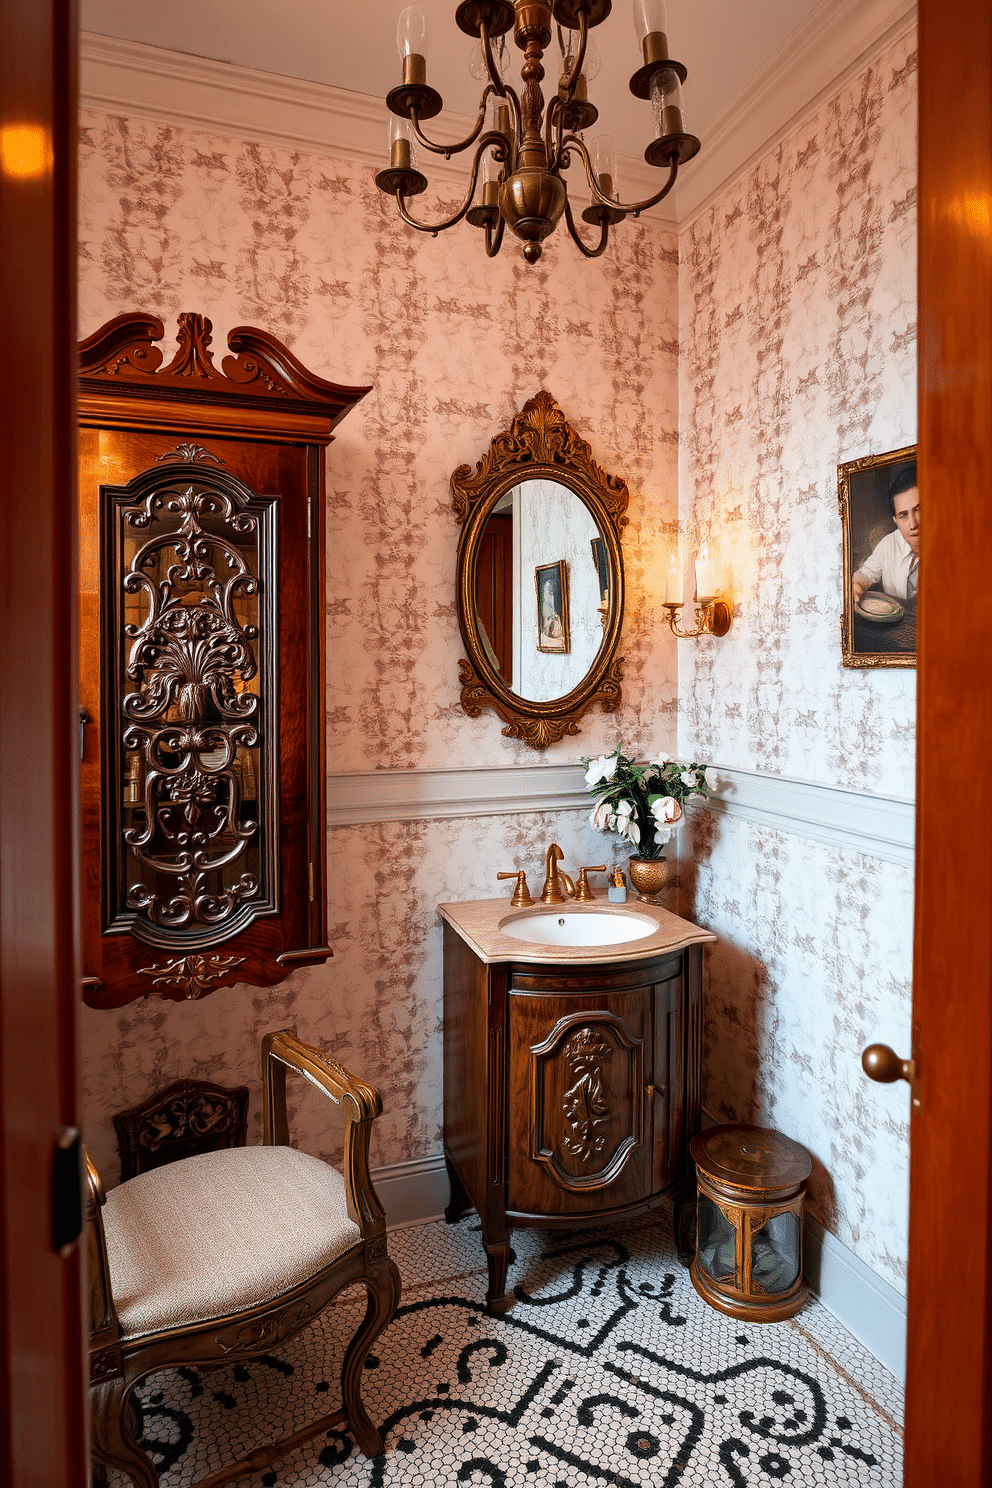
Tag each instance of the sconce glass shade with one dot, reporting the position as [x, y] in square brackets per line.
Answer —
[592, 62]
[649, 16]
[411, 32]
[477, 59]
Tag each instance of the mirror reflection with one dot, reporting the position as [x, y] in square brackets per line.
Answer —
[542, 589]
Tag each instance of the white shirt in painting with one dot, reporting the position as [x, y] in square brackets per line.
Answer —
[893, 564]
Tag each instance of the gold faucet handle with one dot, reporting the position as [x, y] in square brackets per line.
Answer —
[584, 892]
[521, 894]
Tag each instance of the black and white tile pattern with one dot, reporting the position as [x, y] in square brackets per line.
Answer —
[609, 1371]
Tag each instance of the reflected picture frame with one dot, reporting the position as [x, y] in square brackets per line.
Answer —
[551, 587]
[881, 630]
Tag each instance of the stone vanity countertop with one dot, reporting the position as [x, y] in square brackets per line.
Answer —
[478, 922]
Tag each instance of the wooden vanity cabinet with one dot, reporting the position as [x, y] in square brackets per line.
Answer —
[571, 1093]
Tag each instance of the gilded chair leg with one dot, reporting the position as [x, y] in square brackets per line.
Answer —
[113, 1444]
[383, 1285]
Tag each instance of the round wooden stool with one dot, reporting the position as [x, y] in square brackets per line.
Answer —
[749, 1222]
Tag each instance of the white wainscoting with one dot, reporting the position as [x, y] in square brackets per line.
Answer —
[881, 826]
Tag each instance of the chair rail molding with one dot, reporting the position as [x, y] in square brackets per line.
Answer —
[881, 826]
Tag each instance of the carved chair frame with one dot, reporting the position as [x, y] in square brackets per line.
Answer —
[540, 444]
[117, 1364]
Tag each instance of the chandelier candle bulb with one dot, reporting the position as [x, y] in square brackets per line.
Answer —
[705, 576]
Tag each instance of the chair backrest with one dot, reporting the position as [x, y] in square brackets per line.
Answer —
[186, 1118]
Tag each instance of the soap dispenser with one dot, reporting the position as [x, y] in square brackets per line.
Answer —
[617, 891]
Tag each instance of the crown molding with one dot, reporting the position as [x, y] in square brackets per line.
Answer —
[833, 43]
[146, 82]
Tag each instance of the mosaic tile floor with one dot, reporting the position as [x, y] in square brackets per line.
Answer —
[610, 1370]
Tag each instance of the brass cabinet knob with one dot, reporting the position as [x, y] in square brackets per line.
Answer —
[883, 1064]
[649, 1090]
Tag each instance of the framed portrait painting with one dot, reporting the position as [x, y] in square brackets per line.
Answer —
[551, 580]
[880, 516]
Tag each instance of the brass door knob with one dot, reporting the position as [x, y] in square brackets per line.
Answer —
[883, 1064]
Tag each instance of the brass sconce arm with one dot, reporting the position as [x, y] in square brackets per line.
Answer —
[491, 137]
[604, 234]
[712, 618]
[573, 142]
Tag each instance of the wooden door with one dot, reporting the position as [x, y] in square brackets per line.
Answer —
[41, 1363]
[949, 1378]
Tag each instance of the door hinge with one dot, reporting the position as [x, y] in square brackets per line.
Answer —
[67, 1190]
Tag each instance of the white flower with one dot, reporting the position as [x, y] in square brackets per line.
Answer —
[600, 816]
[603, 768]
[624, 808]
[661, 761]
[688, 777]
[633, 830]
[666, 810]
[662, 835]
[712, 779]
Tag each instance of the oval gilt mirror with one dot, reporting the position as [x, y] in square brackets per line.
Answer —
[540, 578]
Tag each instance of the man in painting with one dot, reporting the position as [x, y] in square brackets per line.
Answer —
[894, 563]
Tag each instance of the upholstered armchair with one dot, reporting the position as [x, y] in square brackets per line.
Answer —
[220, 1257]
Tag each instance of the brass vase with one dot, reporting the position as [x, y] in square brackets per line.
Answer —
[648, 876]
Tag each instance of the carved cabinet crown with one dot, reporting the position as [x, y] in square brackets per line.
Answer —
[201, 519]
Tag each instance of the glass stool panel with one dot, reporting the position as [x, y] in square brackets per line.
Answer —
[717, 1241]
[775, 1251]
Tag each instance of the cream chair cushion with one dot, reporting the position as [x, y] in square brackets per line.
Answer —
[215, 1234]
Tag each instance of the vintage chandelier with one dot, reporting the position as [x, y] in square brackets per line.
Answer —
[521, 150]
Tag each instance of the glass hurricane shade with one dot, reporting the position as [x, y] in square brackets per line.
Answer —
[402, 144]
[666, 103]
[649, 16]
[604, 163]
[411, 32]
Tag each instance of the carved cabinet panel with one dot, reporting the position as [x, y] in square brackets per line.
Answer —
[201, 660]
[570, 1093]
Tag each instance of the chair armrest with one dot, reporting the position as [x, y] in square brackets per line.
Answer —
[360, 1105]
[105, 1330]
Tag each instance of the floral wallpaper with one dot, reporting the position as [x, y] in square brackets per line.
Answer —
[453, 344]
[798, 317]
[778, 335]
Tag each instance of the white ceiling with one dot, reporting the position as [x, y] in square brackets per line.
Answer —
[351, 44]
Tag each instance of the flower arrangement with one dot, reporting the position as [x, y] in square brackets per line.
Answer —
[643, 803]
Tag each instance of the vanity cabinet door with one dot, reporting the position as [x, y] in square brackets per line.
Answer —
[578, 1129]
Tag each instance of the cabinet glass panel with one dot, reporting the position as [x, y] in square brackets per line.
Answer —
[717, 1242]
[775, 1253]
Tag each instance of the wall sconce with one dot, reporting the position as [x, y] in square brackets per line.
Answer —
[712, 614]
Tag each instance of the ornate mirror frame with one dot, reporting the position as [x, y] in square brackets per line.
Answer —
[539, 445]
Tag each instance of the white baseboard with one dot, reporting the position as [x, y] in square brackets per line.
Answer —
[414, 1192]
[866, 1305]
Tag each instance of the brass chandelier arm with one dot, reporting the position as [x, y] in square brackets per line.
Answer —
[491, 137]
[604, 232]
[448, 150]
[494, 238]
[573, 142]
[498, 84]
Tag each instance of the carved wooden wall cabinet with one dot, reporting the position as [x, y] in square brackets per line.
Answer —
[201, 518]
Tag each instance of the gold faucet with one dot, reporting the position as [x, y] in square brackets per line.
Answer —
[555, 879]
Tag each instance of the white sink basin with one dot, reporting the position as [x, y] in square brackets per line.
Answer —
[570, 927]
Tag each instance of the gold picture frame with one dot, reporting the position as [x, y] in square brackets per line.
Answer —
[881, 632]
[551, 585]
